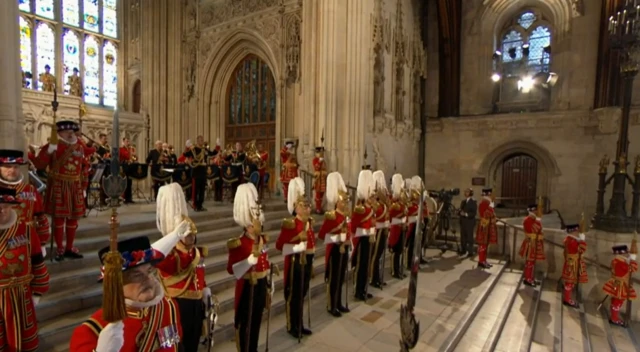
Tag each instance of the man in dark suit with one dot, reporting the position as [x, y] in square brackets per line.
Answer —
[468, 210]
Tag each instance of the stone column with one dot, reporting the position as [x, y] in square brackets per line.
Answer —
[11, 119]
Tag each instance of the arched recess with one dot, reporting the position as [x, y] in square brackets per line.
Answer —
[547, 167]
[136, 97]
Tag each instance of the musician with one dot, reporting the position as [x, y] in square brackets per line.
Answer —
[156, 158]
[289, 166]
[398, 217]
[182, 271]
[574, 269]
[126, 157]
[319, 178]
[363, 228]
[337, 238]
[619, 287]
[262, 168]
[237, 158]
[173, 159]
[199, 156]
[412, 218]
[382, 224]
[219, 161]
[468, 210]
[297, 243]
[249, 263]
[532, 248]
[31, 210]
[66, 185]
[24, 278]
[104, 149]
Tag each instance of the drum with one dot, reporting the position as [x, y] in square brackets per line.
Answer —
[159, 174]
[182, 176]
[231, 173]
[136, 171]
[213, 172]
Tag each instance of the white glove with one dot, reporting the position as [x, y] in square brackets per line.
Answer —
[218, 141]
[206, 293]
[84, 194]
[492, 204]
[343, 237]
[321, 159]
[188, 144]
[252, 259]
[582, 237]
[43, 249]
[35, 299]
[243, 266]
[294, 248]
[289, 146]
[52, 148]
[111, 338]
[632, 256]
[166, 243]
[182, 230]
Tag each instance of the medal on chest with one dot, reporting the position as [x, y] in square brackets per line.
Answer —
[168, 336]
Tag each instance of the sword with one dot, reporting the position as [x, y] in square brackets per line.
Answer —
[602, 302]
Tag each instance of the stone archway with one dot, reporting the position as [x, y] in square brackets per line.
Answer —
[547, 167]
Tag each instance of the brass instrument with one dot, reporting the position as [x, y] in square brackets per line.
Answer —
[164, 157]
[252, 153]
[132, 154]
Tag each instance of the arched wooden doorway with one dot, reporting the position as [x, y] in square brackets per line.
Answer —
[137, 97]
[251, 105]
[519, 180]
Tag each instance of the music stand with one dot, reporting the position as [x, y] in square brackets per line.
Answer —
[93, 201]
[138, 172]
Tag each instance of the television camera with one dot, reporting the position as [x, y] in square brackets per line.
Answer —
[444, 198]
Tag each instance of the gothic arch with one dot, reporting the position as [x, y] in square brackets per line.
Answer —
[218, 70]
[497, 12]
[548, 169]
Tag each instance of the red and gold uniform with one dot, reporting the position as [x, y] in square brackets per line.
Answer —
[382, 223]
[319, 178]
[398, 216]
[622, 267]
[532, 247]
[262, 170]
[66, 184]
[412, 219]
[126, 157]
[574, 269]
[23, 280]
[289, 167]
[364, 231]
[337, 238]
[487, 231]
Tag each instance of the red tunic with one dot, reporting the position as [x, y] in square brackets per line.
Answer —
[398, 218]
[532, 247]
[22, 274]
[293, 232]
[142, 328]
[262, 169]
[239, 249]
[335, 223]
[31, 209]
[412, 216]
[618, 285]
[66, 180]
[487, 231]
[182, 273]
[289, 166]
[574, 269]
[362, 222]
[319, 175]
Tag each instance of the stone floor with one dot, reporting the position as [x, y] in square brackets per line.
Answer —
[446, 289]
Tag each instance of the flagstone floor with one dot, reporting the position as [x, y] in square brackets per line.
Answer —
[446, 288]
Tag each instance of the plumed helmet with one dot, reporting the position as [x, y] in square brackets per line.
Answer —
[246, 208]
[296, 194]
[365, 184]
[397, 185]
[336, 190]
[171, 208]
[380, 182]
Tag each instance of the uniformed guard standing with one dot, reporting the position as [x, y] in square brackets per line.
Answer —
[574, 269]
[249, 263]
[487, 232]
[398, 215]
[382, 228]
[297, 243]
[337, 238]
[199, 155]
[415, 196]
[623, 265]
[532, 248]
[363, 228]
[319, 178]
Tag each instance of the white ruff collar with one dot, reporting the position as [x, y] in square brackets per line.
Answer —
[12, 183]
[158, 297]
[73, 140]
[14, 218]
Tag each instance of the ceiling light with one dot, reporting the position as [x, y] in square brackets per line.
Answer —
[495, 77]
[525, 84]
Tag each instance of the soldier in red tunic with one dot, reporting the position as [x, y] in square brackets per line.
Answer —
[262, 168]
[382, 224]
[23, 278]
[623, 266]
[153, 319]
[398, 216]
[182, 270]
[289, 163]
[249, 263]
[31, 209]
[364, 231]
[532, 247]
[574, 269]
[319, 178]
[415, 187]
[487, 231]
[66, 186]
[335, 234]
[297, 243]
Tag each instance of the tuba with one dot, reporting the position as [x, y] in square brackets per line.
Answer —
[252, 153]
[37, 182]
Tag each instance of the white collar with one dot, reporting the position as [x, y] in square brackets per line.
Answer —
[12, 183]
[14, 218]
[73, 141]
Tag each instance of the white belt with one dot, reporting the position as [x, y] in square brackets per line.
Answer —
[382, 225]
[412, 219]
[398, 221]
[360, 232]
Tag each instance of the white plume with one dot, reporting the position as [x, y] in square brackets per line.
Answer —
[296, 189]
[335, 183]
[245, 205]
[170, 206]
[407, 183]
[416, 183]
[397, 184]
[365, 184]
[380, 180]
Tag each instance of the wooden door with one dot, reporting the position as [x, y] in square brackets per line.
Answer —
[519, 180]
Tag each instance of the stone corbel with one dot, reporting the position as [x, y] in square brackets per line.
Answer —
[608, 119]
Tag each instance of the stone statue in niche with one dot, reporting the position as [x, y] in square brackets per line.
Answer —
[378, 84]
[293, 50]
[47, 79]
[75, 84]
[191, 73]
[381, 164]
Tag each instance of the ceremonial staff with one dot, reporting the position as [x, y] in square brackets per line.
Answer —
[632, 249]
[53, 140]
[409, 326]
[113, 305]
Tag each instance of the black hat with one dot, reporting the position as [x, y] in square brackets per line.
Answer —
[67, 126]
[572, 228]
[366, 167]
[532, 208]
[487, 191]
[622, 249]
[8, 196]
[10, 156]
[135, 252]
[319, 149]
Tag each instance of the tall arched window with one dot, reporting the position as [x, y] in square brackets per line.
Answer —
[251, 105]
[85, 33]
[525, 44]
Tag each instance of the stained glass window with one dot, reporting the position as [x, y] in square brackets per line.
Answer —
[44, 8]
[526, 19]
[527, 30]
[91, 70]
[71, 12]
[70, 55]
[45, 49]
[109, 18]
[110, 74]
[539, 39]
[24, 5]
[512, 40]
[91, 16]
[25, 51]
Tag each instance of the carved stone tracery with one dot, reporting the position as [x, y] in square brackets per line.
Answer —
[219, 12]
[293, 47]
[400, 59]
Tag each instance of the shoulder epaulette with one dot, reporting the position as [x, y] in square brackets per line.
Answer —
[233, 243]
[204, 251]
[330, 215]
[288, 223]
[395, 206]
[359, 209]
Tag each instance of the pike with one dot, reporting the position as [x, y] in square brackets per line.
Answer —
[53, 140]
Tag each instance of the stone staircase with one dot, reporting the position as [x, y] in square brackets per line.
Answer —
[75, 295]
[508, 316]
